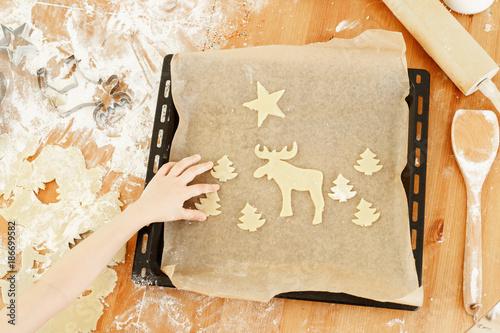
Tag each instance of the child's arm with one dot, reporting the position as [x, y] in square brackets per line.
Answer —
[70, 276]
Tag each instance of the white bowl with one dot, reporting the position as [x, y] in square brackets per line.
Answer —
[468, 6]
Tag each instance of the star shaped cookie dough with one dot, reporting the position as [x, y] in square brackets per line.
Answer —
[266, 104]
[15, 42]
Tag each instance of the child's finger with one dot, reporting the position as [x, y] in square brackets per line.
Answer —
[183, 164]
[193, 214]
[195, 190]
[165, 168]
[196, 170]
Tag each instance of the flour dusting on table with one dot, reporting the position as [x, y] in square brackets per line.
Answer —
[128, 39]
[398, 323]
[157, 309]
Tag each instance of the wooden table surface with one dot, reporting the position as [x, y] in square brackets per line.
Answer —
[153, 309]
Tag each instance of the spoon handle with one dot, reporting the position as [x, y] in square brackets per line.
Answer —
[488, 88]
[473, 278]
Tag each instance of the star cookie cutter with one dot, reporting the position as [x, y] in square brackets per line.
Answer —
[16, 43]
[104, 109]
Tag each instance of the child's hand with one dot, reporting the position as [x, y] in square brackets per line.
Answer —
[164, 197]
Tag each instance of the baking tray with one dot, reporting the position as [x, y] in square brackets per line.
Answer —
[149, 247]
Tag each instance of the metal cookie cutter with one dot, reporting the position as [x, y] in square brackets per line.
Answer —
[57, 97]
[105, 110]
[15, 42]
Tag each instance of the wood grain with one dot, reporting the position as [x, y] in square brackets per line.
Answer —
[133, 308]
[446, 41]
[474, 138]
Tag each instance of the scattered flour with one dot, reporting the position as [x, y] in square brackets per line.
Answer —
[345, 24]
[448, 171]
[495, 312]
[136, 37]
[398, 322]
[128, 39]
[54, 226]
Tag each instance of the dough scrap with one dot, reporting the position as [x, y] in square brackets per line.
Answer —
[56, 225]
[342, 192]
[4, 266]
[289, 177]
[70, 170]
[266, 104]
[26, 276]
[209, 204]
[84, 313]
[13, 165]
[223, 171]
[119, 256]
[59, 224]
[366, 215]
[250, 220]
[368, 163]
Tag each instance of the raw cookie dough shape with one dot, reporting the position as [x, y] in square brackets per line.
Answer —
[68, 167]
[366, 215]
[27, 275]
[342, 192]
[4, 264]
[368, 163]
[84, 313]
[80, 209]
[250, 219]
[223, 171]
[209, 204]
[14, 151]
[289, 177]
[266, 104]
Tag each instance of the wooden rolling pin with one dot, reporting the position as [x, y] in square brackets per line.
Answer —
[464, 61]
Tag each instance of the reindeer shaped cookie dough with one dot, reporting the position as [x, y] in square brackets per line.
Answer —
[289, 177]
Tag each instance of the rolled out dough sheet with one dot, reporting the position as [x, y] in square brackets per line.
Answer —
[340, 98]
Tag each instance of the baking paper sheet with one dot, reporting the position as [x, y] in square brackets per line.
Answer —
[340, 98]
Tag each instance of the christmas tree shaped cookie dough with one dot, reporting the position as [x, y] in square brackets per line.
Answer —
[368, 163]
[265, 104]
[250, 219]
[342, 192]
[209, 204]
[223, 170]
[366, 215]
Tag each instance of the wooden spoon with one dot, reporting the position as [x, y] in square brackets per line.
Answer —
[474, 137]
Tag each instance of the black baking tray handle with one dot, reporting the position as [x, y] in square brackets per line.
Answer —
[149, 246]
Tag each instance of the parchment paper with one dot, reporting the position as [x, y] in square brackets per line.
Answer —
[340, 98]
